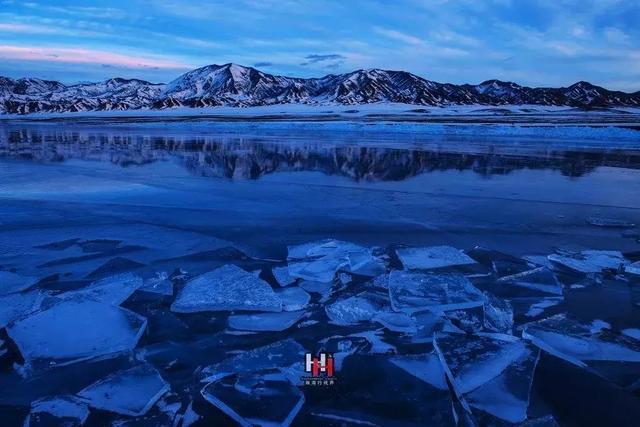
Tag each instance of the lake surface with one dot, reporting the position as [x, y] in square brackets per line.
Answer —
[173, 194]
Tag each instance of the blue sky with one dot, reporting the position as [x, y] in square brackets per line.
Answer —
[540, 43]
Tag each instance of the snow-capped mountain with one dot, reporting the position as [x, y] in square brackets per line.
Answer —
[235, 85]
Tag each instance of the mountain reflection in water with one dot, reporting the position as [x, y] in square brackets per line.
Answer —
[252, 157]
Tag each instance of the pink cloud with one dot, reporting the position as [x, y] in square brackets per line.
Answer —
[87, 56]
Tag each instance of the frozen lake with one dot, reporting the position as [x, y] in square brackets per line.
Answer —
[161, 196]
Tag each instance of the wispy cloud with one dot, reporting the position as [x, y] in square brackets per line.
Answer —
[263, 64]
[398, 36]
[87, 56]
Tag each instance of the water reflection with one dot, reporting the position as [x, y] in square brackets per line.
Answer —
[253, 157]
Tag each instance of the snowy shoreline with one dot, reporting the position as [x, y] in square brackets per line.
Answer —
[534, 115]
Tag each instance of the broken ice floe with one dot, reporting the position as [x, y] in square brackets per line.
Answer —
[498, 314]
[282, 276]
[76, 330]
[225, 289]
[426, 367]
[110, 290]
[12, 282]
[160, 284]
[355, 309]
[130, 392]
[65, 410]
[427, 258]
[256, 399]
[411, 291]
[265, 321]
[538, 307]
[320, 261]
[279, 354]
[490, 372]
[590, 261]
[15, 306]
[633, 268]
[293, 298]
[540, 279]
[579, 343]
[396, 322]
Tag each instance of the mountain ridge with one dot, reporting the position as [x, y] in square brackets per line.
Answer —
[239, 86]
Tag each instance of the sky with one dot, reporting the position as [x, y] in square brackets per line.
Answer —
[534, 43]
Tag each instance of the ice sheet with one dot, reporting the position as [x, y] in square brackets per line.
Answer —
[257, 399]
[76, 330]
[426, 258]
[130, 392]
[353, 310]
[15, 306]
[590, 261]
[61, 407]
[426, 367]
[579, 343]
[293, 298]
[265, 321]
[227, 288]
[412, 291]
[12, 282]
[498, 314]
[541, 279]
[110, 290]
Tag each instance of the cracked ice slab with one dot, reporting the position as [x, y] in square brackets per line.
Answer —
[11, 282]
[293, 298]
[226, 288]
[15, 306]
[412, 291]
[427, 258]
[282, 276]
[320, 261]
[426, 367]
[257, 399]
[498, 314]
[130, 392]
[61, 407]
[265, 321]
[578, 343]
[490, 372]
[540, 279]
[71, 331]
[590, 261]
[353, 310]
[110, 290]
[275, 355]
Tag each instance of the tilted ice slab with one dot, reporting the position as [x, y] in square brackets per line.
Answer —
[259, 322]
[578, 343]
[353, 310]
[490, 372]
[293, 298]
[633, 268]
[275, 355]
[71, 331]
[322, 248]
[412, 291]
[258, 399]
[225, 289]
[11, 282]
[158, 285]
[68, 408]
[282, 276]
[15, 306]
[426, 258]
[396, 322]
[590, 261]
[540, 279]
[498, 314]
[110, 290]
[130, 392]
[320, 261]
[426, 367]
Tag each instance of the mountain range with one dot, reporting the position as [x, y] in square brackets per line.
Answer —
[239, 86]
